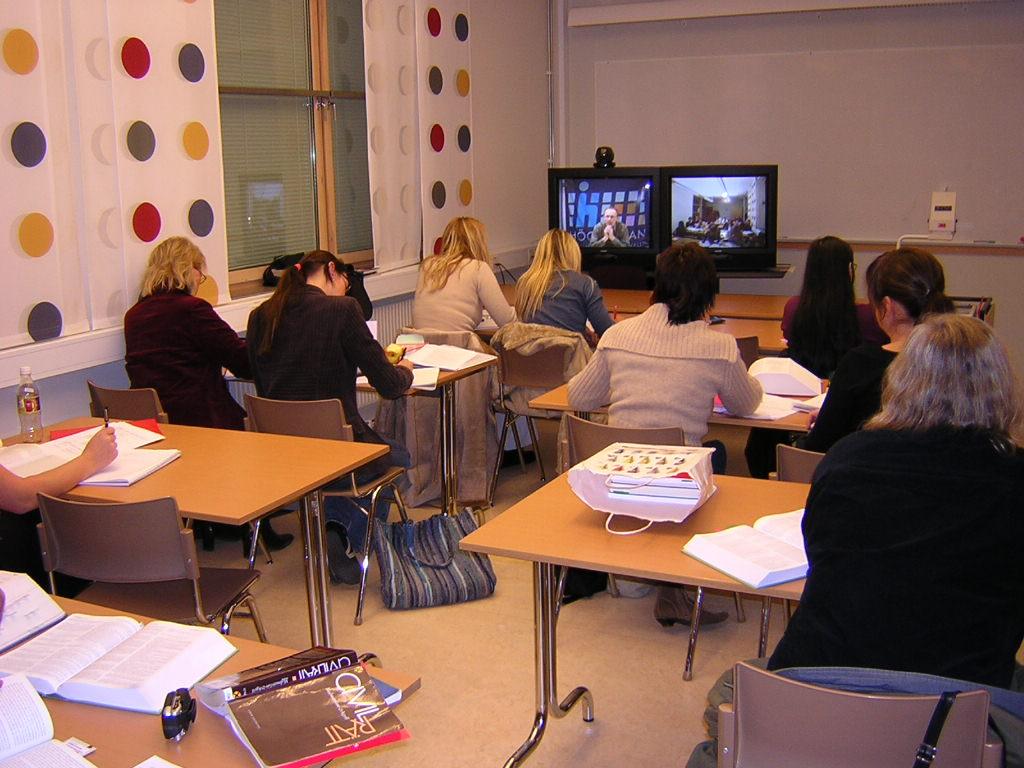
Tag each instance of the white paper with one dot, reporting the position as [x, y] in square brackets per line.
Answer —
[27, 608]
[811, 403]
[771, 408]
[131, 465]
[748, 555]
[50, 754]
[156, 761]
[24, 721]
[784, 526]
[446, 357]
[425, 378]
[783, 376]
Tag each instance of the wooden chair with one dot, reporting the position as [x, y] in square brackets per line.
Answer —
[127, 404]
[775, 722]
[795, 465]
[543, 370]
[587, 438]
[748, 346]
[141, 560]
[325, 419]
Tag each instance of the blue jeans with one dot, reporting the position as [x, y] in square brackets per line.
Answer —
[350, 514]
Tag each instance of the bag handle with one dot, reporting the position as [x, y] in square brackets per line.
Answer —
[608, 523]
[408, 531]
[926, 752]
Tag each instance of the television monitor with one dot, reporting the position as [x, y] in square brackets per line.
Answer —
[729, 209]
[579, 198]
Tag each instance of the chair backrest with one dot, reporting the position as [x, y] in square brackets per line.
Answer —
[300, 418]
[775, 722]
[142, 403]
[135, 542]
[748, 346]
[795, 465]
[624, 276]
[543, 369]
[587, 438]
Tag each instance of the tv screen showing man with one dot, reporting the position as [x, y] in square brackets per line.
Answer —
[610, 213]
[610, 232]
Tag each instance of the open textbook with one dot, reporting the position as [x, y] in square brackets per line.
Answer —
[130, 466]
[767, 553]
[115, 661]
[26, 730]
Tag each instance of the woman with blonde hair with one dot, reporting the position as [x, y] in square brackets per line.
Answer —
[458, 284]
[553, 291]
[176, 343]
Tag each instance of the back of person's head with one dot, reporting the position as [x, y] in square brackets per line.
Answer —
[170, 266]
[463, 239]
[556, 252]
[824, 325]
[911, 276]
[289, 287]
[685, 279]
[953, 372]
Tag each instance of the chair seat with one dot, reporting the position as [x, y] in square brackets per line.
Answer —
[174, 600]
[366, 489]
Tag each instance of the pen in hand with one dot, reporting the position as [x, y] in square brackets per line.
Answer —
[106, 418]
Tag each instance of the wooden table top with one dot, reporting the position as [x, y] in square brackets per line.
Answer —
[738, 305]
[228, 476]
[552, 525]
[124, 739]
[557, 399]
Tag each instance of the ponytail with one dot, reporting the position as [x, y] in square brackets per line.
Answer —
[289, 286]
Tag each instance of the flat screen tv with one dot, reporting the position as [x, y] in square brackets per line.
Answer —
[611, 211]
[729, 209]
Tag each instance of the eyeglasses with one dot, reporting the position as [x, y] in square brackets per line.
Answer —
[202, 277]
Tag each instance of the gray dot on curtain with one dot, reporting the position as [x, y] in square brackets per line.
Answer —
[44, 321]
[438, 194]
[435, 80]
[141, 141]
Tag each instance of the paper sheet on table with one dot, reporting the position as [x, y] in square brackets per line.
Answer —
[446, 357]
[772, 407]
[811, 404]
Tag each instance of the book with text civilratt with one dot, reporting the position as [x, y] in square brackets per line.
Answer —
[26, 730]
[769, 552]
[314, 721]
[115, 661]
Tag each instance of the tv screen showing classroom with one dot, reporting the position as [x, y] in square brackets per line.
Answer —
[720, 211]
[582, 203]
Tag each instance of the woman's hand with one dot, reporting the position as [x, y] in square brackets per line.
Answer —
[811, 418]
[100, 450]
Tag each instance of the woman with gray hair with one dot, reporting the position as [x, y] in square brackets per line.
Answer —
[913, 525]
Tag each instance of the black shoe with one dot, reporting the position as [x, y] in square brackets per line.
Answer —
[344, 568]
[272, 539]
[511, 458]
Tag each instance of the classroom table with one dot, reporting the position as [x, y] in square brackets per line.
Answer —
[552, 527]
[736, 305]
[123, 739]
[558, 400]
[233, 477]
[445, 391]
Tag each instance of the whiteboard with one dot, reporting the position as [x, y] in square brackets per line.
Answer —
[862, 137]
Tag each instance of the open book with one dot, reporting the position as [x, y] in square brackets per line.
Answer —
[27, 609]
[770, 552]
[316, 720]
[446, 357]
[26, 730]
[783, 376]
[130, 466]
[117, 662]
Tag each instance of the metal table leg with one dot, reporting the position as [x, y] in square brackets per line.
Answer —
[449, 477]
[315, 554]
[691, 646]
[544, 619]
[766, 617]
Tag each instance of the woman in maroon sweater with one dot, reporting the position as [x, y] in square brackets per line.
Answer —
[176, 344]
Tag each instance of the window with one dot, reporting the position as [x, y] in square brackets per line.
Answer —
[293, 128]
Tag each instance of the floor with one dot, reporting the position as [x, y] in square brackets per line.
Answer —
[476, 703]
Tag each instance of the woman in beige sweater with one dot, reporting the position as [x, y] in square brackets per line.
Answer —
[458, 284]
[664, 368]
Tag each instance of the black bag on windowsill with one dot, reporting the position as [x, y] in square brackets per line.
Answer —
[356, 288]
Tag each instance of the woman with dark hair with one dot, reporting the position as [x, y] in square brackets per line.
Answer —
[820, 325]
[664, 368]
[824, 322]
[305, 343]
[904, 285]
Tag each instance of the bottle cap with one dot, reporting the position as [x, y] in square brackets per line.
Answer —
[26, 370]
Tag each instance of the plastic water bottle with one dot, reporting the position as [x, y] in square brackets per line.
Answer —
[29, 408]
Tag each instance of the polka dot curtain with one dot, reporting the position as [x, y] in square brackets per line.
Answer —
[102, 165]
[418, 104]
